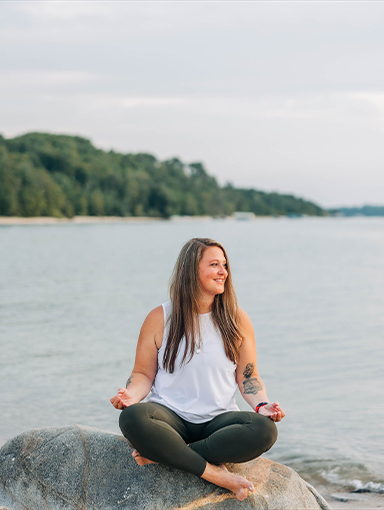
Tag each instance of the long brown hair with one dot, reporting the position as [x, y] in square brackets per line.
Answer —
[185, 291]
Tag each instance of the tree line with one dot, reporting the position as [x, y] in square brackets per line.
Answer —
[365, 210]
[57, 175]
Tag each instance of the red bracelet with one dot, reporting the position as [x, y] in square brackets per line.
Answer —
[260, 405]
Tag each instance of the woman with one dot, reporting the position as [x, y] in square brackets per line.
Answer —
[192, 353]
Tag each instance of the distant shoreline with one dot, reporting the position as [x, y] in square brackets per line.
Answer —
[90, 220]
[82, 220]
[48, 220]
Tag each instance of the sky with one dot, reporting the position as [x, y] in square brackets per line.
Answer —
[277, 96]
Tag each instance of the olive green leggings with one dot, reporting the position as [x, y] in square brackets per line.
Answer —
[160, 435]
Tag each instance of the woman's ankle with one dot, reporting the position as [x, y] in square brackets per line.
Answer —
[219, 475]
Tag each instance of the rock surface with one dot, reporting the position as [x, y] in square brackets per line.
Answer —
[80, 468]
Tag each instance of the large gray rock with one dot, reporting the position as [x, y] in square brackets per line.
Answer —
[80, 468]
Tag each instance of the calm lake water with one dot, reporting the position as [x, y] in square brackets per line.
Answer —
[73, 297]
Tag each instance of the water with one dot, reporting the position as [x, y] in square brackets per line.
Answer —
[73, 297]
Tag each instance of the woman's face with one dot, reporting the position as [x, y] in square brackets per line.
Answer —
[213, 271]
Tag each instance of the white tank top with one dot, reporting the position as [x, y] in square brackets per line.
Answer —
[205, 386]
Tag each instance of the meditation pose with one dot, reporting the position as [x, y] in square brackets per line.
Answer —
[192, 354]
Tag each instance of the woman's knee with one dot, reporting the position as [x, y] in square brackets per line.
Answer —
[267, 430]
[131, 417]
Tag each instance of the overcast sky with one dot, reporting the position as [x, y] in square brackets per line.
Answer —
[279, 96]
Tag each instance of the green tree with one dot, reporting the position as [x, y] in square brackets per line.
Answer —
[44, 174]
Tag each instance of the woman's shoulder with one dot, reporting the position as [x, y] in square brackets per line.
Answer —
[155, 313]
[155, 318]
[244, 320]
[153, 326]
[242, 315]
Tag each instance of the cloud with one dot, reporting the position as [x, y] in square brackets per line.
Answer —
[60, 12]
[146, 102]
[374, 101]
[16, 81]
[280, 95]
[121, 20]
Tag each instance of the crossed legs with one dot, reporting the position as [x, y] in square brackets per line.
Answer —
[160, 435]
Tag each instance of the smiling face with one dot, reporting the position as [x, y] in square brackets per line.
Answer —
[212, 271]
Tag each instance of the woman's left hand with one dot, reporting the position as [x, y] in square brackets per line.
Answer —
[273, 411]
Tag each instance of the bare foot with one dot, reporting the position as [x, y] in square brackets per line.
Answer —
[142, 461]
[219, 475]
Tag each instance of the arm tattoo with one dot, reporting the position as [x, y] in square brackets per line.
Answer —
[252, 385]
[249, 370]
[129, 381]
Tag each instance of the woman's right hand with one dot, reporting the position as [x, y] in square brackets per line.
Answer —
[122, 399]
